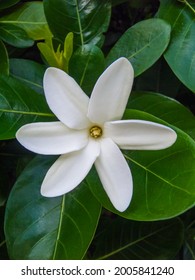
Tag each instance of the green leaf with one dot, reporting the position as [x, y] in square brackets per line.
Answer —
[180, 52]
[159, 78]
[127, 240]
[4, 65]
[86, 65]
[29, 72]
[48, 228]
[29, 17]
[165, 108]
[88, 20]
[14, 35]
[142, 44]
[164, 180]
[19, 105]
[7, 3]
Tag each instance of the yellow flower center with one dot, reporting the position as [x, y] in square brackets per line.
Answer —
[95, 132]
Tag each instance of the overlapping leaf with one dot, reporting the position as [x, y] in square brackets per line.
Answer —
[180, 53]
[127, 240]
[142, 44]
[15, 36]
[19, 105]
[30, 18]
[48, 228]
[88, 20]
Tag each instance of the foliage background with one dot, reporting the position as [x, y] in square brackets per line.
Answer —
[158, 38]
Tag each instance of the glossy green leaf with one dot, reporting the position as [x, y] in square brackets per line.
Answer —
[88, 20]
[48, 228]
[29, 72]
[29, 17]
[19, 105]
[121, 239]
[14, 35]
[165, 108]
[7, 3]
[4, 64]
[164, 180]
[86, 65]
[180, 52]
[142, 44]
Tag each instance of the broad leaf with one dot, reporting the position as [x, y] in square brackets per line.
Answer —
[180, 52]
[164, 108]
[88, 20]
[19, 105]
[127, 240]
[29, 17]
[142, 44]
[7, 3]
[14, 35]
[164, 181]
[28, 72]
[4, 64]
[86, 65]
[48, 228]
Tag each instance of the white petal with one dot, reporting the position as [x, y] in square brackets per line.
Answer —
[114, 174]
[111, 92]
[65, 98]
[140, 135]
[69, 170]
[52, 138]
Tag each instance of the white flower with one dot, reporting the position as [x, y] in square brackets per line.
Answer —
[90, 130]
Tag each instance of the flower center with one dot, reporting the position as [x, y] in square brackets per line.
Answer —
[95, 131]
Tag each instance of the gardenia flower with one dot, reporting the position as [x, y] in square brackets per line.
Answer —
[90, 131]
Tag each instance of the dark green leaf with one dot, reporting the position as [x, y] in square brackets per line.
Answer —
[88, 20]
[127, 240]
[7, 3]
[29, 72]
[180, 52]
[189, 249]
[164, 108]
[19, 105]
[4, 64]
[15, 36]
[48, 228]
[142, 44]
[86, 65]
[159, 78]
[164, 181]
[29, 17]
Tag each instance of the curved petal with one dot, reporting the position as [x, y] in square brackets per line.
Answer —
[52, 138]
[65, 98]
[114, 174]
[111, 92]
[69, 170]
[140, 135]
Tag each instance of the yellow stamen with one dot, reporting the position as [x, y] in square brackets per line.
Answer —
[95, 131]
